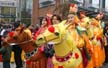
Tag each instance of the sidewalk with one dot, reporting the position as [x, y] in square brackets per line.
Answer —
[12, 65]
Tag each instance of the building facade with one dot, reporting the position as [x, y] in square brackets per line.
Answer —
[8, 10]
[42, 7]
[24, 11]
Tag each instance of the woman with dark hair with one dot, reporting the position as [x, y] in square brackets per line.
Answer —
[56, 19]
[42, 62]
[45, 22]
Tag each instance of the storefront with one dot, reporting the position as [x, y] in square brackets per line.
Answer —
[7, 10]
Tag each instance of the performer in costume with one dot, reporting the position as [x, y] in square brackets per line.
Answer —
[75, 30]
[84, 20]
[44, 25]
[96, 36]
[55, 19]
[73, 10]
[64, 45]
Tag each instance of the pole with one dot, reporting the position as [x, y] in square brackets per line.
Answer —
[0, 14]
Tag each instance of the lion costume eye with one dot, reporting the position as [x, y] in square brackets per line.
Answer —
[56, 33]
[40, 39]
[15, 37]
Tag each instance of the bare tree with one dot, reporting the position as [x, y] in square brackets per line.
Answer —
[63, 9]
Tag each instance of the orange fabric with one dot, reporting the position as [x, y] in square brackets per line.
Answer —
[90, 64]
[81, 65]
[88, 45]
[96, 54]
[77, 21]
[98, 50]
[90, 50]
[41, 63]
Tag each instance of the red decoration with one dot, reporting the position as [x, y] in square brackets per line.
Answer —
[11, 34]
[60, 66]
[41, 49]
[48, 21]
[28, 62]
[51, 29]
[76, 55]
[72, 5]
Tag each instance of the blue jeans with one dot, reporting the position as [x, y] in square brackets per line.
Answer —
[6, 64]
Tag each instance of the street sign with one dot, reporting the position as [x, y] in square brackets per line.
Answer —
[8, 3]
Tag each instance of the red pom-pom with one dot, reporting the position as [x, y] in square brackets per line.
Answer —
[41, 49]
[60, 66]
[28, 62]
[51, 29]
[76, 55]
[11, 34]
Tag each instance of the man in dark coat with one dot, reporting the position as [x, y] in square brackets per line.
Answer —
[17, 50]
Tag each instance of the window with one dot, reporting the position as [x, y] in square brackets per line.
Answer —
[5, 10]
[106, 5]
[44, 3]
[79, 2]
[90, 1]
[95, 3]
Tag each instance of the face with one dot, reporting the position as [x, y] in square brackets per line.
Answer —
[99, 16]
[44, 23]
[54, 20]
[74, 9]
[82, 15]
[70, 18]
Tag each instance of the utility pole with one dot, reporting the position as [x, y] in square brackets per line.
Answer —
[100, 5]
[35, 12]
[0, 14]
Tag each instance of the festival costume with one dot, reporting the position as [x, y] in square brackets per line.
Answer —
[85, 22]
[32, 53]
[67, 55]
[95, 35]
[83, 43]
[33, 62]
[48, 53]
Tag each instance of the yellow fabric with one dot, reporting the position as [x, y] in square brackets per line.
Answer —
[65, 45]
[76, 19]
[97, 33]
[12, 57]
[12, 60]
[28, 31]
[85, 22]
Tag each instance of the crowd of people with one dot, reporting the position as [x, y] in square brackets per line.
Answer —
[7, 51]
[95, 27]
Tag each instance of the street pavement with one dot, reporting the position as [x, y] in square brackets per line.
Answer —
[13, 65]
